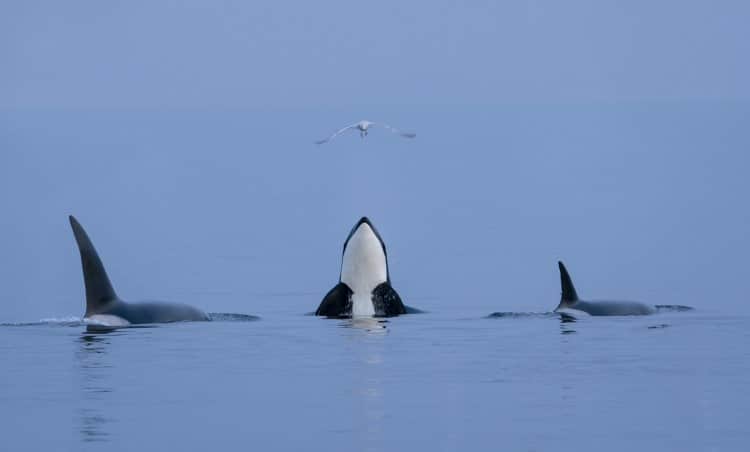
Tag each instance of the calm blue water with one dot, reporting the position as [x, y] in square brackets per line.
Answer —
[238, 212]
[434, 381]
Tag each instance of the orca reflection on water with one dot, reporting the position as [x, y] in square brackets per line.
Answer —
[104, 306]
[569, 300]
[364, 288]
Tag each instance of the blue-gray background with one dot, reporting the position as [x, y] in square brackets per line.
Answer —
[612, 135]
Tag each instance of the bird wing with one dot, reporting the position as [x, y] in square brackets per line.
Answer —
[337, 133]
[395, 130]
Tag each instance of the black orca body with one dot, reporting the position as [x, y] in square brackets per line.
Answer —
[569, 300]
[103, 304]
[364, 288]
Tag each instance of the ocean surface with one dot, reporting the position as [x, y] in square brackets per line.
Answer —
[239, 212]
[432, 381]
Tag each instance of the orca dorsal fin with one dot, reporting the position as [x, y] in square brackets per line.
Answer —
[99, 290]
[568, 290]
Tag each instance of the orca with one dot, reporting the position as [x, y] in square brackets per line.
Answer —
[103, 306]
[364, 288]
[569, 300]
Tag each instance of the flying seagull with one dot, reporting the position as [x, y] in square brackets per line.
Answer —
[362, 126]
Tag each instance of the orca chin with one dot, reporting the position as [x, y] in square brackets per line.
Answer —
[570, 302]
[105, 308]
[364, 288]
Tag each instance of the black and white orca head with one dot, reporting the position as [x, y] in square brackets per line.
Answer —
[364, 266]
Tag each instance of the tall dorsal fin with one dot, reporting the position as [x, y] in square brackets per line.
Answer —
[99, 290]
[568, 290]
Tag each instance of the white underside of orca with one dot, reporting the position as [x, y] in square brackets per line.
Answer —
[106, 320]
[573, 312]
[363, 268]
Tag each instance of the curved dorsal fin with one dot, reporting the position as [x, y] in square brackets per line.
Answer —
[99, 290]
[568, 290]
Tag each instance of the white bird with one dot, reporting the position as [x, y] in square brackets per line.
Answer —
[362, 126]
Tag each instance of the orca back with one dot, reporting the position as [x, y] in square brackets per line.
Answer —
[99, 290]
[102, 303]
[568, 293]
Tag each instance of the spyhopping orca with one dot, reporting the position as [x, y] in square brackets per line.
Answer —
[364, 288]
[570, 300]
[103, 304]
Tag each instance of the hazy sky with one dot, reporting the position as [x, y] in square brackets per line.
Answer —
[613, 135]
[278, 53]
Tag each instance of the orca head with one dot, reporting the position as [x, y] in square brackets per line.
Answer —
[364, 265]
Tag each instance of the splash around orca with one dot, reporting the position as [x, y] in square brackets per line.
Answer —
[364, 288]
[104, 307]
[569, 300]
